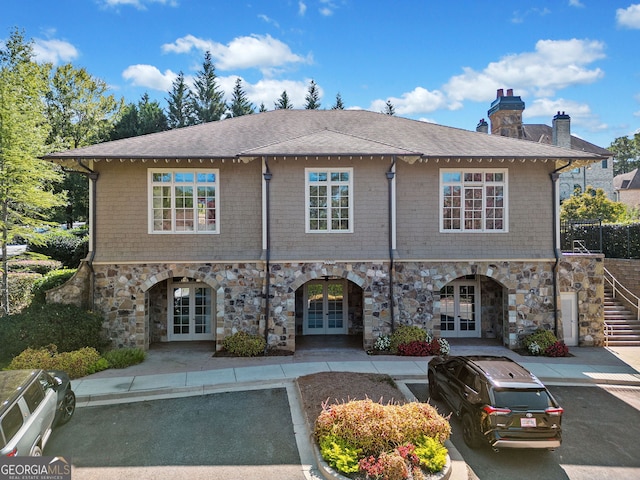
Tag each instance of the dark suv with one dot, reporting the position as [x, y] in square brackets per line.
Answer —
[499, 401]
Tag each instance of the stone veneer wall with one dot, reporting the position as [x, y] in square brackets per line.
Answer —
[128, 296]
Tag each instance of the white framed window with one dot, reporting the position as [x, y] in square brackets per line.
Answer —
[329, 200]
[473, 200]
[184, 201]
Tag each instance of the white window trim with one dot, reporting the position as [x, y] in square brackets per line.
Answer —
[328, 170]
[505, 185]
[173, 231]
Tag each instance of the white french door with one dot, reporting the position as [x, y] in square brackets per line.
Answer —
[190, 312]
[459, 307]
[325, 311]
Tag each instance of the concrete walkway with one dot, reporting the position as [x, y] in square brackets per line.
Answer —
[172, 370]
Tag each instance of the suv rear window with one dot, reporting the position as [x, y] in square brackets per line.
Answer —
[11, 423]
[526, 399]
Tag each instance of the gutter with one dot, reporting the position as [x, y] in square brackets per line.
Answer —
[93, 177]
[267, 175]
[555, 175]
[391, 173]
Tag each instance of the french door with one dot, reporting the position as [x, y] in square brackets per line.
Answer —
[459, 309]
[190, 312]
[325, 311]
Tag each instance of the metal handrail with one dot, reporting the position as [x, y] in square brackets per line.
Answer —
[624, 292]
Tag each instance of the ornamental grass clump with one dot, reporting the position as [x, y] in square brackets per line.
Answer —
[391, 438]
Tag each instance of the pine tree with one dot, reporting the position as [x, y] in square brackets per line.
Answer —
[208, 100]
[180, 106]
[313, 97]
[283, 102]
[389, 109]
[240, 105]
[262, 108]
[338, 105]
[25, 180]
[151, 118]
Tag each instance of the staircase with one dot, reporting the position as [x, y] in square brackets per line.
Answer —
[622, 327]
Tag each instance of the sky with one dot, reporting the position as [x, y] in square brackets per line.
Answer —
[436, 61]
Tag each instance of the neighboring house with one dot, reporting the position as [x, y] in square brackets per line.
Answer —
[505, 116]
[330, 222]
[627, 188]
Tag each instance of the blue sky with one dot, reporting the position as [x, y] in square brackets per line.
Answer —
[438, 61]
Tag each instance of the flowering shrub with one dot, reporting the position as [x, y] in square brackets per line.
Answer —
[558, 349]
[542, 338]
[406, 334]
[390, 439]
[445, 348]
[383, 343]
[417, 348]
[534, 348]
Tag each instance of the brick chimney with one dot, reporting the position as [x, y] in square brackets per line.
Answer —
[505, 115]
[561, 130]
[483, 126]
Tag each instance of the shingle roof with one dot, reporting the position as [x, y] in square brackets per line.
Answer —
[626, 181]
[319, 132]
[541, 133]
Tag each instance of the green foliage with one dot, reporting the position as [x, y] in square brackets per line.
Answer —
[538, 341]
[339, 454]
[180, 104]
[244, 344]
[432, 453]
[124, 357]
[627, 154]
[283, 103]
[593, 203]
[240, 105]
[20, 287]
[77, 363]
[66, 326]
[65, 246]
[51, 280]
[208, 102]
[382, 343]
[406, 334]
[313, 97]
[375, 428]
[33, 265]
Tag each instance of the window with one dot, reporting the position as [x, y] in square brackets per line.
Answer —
[183, 201]
[473, 200]
[605, 163]
[329, 202]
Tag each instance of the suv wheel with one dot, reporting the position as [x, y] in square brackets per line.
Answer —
[469, 431]
[68, 407]
[433, 388]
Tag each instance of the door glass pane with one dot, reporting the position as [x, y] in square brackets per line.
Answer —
[335, 302]
[447, 309]
[202, 310]
[315, 299]
[181, 311]
[467, 308]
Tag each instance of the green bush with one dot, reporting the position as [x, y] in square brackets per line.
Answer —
[68, 247]
[432, 454]
[20, 287]
[538, 341]
[66, 326]
[244, 344]
[77, 363]
[51, 280]
[406, 334]
[339, 454]
[124, 357]
[33, 265]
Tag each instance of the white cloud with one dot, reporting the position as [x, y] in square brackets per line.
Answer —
[419, 100]
[255, 51]
[327, 8]
[149, 76]
[629, 17]
[580, 113]
[268, 19]
[302, 8]
[54, 51]
[576, 3]
[554, 65]
[268, 91]
[139, 4]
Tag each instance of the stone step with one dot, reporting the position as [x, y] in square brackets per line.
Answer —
[622, 343]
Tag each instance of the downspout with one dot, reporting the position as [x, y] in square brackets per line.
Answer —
[555, 175]
[93, 176]
[267, 247]
[391, 173]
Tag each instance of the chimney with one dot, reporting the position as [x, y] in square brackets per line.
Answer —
[505, 115]
[483, 126]
[561, 130]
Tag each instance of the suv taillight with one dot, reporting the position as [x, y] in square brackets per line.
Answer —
[495, 410]
[13, 452]
[554, 411]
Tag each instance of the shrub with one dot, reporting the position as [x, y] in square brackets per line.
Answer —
[244, 344]
[51, 280]
[432, 454]
[558, 349]
[382, 344]
[69, 247]
[20, 286]
[77, 363]
[339, 454]
[66, 326]
[124, 357]
[34, 266]
[406, 334]
[542, 339]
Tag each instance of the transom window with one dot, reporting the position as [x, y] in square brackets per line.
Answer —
[183, 201]
[473, 200]
[329, 200]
